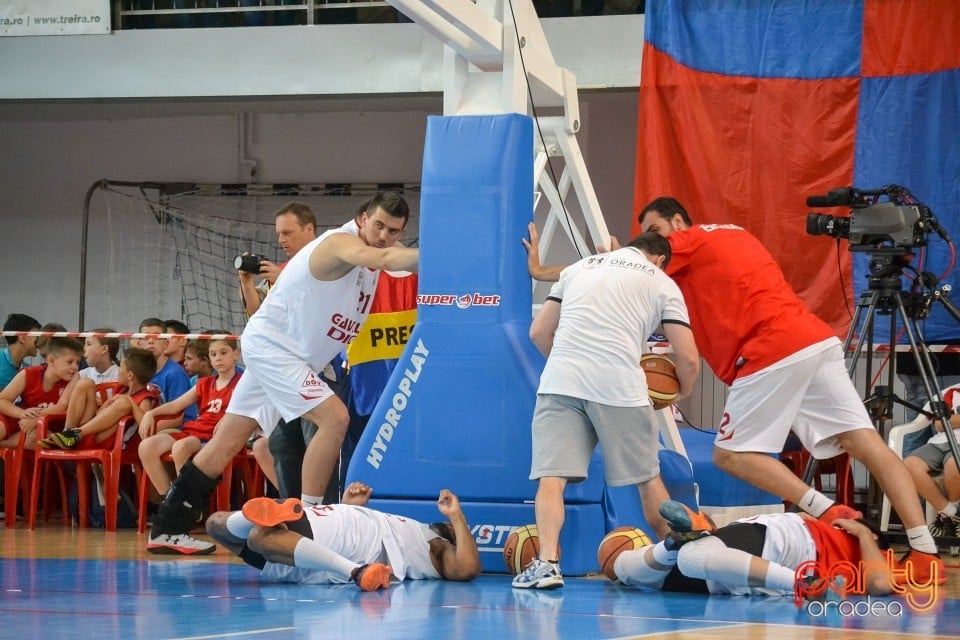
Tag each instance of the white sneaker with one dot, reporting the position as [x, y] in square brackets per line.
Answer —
[166, 543]
[539, 574]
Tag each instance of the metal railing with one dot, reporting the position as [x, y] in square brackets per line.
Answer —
[172, 14]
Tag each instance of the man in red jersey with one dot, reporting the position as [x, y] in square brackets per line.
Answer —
[785, 369]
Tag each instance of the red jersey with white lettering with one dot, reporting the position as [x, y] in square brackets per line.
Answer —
[34, 394]
[212, 403]
[151, 392]
[744, 314]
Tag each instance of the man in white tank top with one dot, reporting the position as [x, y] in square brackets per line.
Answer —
[313, 311]
[340, 543]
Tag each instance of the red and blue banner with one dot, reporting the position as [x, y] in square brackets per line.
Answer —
[749, 106]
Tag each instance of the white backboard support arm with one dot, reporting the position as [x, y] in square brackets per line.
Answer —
[497, 60]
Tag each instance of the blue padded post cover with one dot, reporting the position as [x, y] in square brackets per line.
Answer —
[456, 412]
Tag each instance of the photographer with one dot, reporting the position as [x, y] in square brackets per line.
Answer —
[296, 226]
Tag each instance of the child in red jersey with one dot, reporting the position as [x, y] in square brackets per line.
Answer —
[133, 396]
[212, 395]
[39, 390]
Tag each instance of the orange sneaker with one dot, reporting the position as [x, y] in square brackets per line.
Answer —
[371, 577]
[686, 523]
[917, 568]
[268, 512]
[839, 512]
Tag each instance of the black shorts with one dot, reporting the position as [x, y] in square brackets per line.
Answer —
[744, 536]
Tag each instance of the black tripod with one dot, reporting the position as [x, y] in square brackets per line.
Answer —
[885, 296]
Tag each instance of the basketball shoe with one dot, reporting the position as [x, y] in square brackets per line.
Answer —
[539, 574]
[917, 567]
[839, 511]
[268, 512]
[183, 544]
[371, 577]
[66, 439]
[686, 524]
[944, 526]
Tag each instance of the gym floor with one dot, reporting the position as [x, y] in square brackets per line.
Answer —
[58, 581]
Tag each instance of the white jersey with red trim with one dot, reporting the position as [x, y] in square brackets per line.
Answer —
[312, 319]
[363, 536]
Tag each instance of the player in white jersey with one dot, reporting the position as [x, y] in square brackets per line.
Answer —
[346, 542]
[593, 328]
[316, 307]
[760, 555]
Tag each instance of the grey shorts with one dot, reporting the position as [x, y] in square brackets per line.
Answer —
[566, 430]
[934, 455]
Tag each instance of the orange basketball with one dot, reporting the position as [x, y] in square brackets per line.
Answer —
[663, 385]
[616, 542]
[522, 546]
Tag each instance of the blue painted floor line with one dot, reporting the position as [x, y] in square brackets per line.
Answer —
[164, 599]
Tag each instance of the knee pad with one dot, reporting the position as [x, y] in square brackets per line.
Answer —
[693, 556]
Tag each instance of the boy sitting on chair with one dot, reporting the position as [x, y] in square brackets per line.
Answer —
[87, 427]
[42, 389]
[932, 459]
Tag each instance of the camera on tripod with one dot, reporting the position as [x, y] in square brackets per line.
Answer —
[901, 221]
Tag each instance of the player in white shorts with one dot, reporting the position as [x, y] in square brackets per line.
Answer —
[340, 543]
[759, 555]
[785, 369]
[313, 311]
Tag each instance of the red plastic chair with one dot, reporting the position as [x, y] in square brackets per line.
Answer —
[110, 457]
[14, 460]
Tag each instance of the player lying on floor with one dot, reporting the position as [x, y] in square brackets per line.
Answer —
[339, 543]
[759, 555]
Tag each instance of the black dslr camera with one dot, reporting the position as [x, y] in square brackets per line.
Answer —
[248, 263]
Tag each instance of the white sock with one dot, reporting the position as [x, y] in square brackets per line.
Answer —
[815, 503]
[238, 525]
[950, 510]
[313, 555]
[779, 577]
[663, 555]
[310, 501]
[921, 540]
[632, 569]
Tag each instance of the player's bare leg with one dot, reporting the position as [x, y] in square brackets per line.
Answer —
[763, 472]
[548, 506]
[83, 404]
[323, 452]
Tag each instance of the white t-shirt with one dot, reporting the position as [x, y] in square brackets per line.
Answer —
[314, 319]
[110, 375]
[363, 536]
[609, 305]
